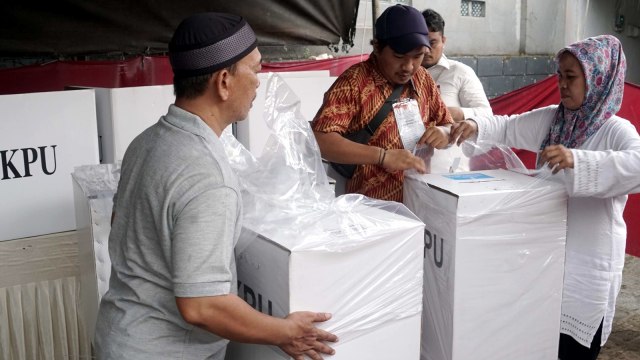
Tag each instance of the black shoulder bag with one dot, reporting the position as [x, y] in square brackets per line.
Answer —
[363, 135]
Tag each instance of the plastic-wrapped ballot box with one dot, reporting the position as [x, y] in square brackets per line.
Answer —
[493, 264]
[364, 267]
[93, 189]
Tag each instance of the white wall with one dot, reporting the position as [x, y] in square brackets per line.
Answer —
[522, 27]
[572, 20]
[545, 26]
[600, 19]
[496, 34]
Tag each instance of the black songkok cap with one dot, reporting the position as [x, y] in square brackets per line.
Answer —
[205, 43]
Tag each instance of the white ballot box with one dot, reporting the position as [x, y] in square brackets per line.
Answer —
[43, 136]
[123, 113]
[365, 268]
[493, 264]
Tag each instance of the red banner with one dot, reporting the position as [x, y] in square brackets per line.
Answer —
[139, 71]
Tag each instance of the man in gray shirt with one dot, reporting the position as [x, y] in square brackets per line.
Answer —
[177, 217]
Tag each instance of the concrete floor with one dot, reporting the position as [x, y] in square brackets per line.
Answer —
[624, 341]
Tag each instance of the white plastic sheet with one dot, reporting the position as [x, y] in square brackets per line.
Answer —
[94, 187]
[97, 180]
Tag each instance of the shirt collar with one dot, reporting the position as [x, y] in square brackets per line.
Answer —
[444, 62]
[189, 122]
[378, 78]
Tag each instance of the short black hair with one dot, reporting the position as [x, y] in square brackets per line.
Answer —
[190, 87]
[435, 22]
[380, 43]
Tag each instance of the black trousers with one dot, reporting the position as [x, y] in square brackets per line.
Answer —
[572, 350]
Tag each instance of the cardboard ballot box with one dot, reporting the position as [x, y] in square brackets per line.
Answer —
[43, 136]
[365, 268]
[493, 264]
[123, 113]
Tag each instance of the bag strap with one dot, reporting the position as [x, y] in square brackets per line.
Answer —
[373, 125]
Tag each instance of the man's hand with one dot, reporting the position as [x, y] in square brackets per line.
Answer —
[456, 113]
[230, 317]
[402, 159]
[436, 136]
[305, 338]
[558, 157]
[463, 130]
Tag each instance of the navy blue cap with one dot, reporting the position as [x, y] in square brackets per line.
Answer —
[403, 28]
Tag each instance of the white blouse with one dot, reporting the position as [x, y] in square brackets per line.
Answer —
[606, 169]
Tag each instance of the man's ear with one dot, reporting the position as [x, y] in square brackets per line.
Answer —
[444, 39]
[376, 46]
[220, 82]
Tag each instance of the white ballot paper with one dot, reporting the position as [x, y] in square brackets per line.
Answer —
[409, 122]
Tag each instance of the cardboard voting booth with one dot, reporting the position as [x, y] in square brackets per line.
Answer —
[493, 264]
[43, 136]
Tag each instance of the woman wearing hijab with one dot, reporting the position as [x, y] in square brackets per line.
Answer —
[597, 156]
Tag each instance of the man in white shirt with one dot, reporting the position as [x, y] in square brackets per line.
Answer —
[460, 88]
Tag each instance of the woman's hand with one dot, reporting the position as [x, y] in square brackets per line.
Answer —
[558, 157]
[463, 130]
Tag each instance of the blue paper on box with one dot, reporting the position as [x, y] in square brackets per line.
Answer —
[474, 176]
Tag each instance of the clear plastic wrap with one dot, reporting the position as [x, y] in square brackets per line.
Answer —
[97, 180]
[93, 188]
[289, 177]
[303, 249]
[494, 256]
[470, 156]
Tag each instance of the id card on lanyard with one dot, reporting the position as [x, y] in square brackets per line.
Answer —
[410, 125]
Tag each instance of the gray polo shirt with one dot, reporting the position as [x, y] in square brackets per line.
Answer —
[178, 217]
